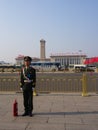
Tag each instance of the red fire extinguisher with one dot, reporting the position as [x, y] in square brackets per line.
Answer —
[15, 108]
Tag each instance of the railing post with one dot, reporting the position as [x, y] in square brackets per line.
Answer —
[34, 92]
[84, 85]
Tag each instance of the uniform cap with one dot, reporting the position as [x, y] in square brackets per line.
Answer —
[27, 58]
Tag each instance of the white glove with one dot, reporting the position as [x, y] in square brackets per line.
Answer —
[21, 89]
[33, 89]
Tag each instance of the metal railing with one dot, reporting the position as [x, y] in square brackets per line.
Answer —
[9, 83]
[68, 84]
[55, 83]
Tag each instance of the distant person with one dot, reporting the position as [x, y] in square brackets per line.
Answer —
[27, 84]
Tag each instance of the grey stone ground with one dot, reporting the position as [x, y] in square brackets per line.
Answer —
[51, 112]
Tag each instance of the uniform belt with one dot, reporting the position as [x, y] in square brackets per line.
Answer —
[28, 81]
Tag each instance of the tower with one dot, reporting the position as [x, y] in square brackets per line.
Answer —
[42, 50]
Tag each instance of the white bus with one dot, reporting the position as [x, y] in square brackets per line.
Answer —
[45, 65]
[80, 67]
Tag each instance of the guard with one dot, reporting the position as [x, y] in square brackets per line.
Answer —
[27, 84]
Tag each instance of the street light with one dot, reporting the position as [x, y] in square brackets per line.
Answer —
[80, 56]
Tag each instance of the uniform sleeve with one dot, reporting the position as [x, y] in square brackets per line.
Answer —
[21, 79]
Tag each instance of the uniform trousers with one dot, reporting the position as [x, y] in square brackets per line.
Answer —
[28, 98]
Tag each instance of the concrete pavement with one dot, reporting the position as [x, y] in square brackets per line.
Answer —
[51, 112]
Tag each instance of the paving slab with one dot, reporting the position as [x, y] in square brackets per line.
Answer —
[46, 127]
[13, 126]
[51, 112]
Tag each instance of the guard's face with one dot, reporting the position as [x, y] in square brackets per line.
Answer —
[27, 63]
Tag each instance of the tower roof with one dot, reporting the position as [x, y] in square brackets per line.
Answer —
[42, 40]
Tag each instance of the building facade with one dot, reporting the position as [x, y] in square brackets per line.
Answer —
[65, 59]
[20, 59]
[68, 59]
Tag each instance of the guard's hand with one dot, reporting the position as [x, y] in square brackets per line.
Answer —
[33, 89]
[21, 89]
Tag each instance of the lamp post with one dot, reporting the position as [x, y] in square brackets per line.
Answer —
[80, 55]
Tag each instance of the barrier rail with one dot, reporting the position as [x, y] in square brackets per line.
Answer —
[59, 85]
[9, 84]
[55, 83]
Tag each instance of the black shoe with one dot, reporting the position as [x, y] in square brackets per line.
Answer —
[25, 114]
[30, 114]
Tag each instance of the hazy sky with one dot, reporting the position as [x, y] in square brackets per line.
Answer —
[66, 25]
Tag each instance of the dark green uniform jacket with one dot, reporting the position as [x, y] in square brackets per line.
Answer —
[28, 78]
